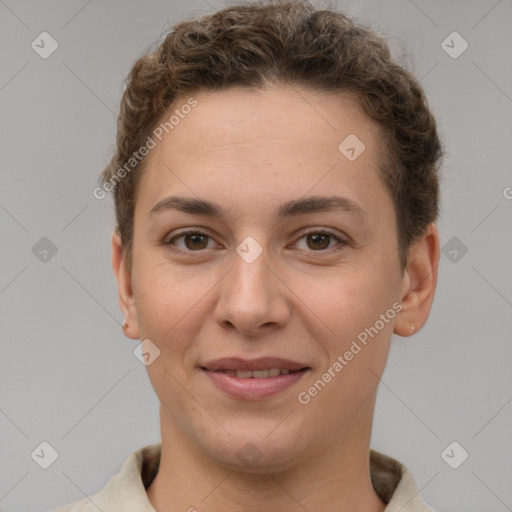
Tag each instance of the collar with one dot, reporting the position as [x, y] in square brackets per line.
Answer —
[126, 491]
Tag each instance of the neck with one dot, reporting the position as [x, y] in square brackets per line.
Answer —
[335, 478]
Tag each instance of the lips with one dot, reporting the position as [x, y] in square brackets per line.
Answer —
[254, 379]
[230, 364]
[256, 374]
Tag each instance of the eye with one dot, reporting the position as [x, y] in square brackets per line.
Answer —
[317, 240]
[320, 240]
[193, 240]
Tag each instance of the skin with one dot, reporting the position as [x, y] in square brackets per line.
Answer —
[250, 151]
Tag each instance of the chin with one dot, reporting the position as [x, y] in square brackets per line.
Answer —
[255, 451]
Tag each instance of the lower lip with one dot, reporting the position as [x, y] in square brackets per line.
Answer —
[253, 388]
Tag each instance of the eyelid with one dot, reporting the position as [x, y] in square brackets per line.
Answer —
[342, 240]
[194, 230]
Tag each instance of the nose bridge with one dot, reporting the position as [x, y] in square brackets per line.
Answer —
[250, 277]
[250, 296]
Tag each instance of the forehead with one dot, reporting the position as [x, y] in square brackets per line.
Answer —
[278, 114]
[271, 143]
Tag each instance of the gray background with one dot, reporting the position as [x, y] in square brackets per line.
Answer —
[68, 376]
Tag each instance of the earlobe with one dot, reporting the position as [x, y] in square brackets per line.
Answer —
[124, 288]
[419, 283]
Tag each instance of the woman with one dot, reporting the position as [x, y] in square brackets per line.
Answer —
[276, 192]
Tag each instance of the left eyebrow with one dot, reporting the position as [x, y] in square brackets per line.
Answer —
[291, 208]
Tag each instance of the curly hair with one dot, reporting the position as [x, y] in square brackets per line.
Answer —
[261, 43]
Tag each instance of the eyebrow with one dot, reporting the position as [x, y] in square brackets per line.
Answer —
[291, 208]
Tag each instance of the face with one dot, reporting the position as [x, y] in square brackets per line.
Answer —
[278, 252]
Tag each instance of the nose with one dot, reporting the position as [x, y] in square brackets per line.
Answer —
[253, 298]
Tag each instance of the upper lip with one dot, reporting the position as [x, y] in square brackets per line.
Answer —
[262, 363]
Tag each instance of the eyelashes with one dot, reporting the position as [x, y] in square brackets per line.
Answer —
[325, 233]
[199, 241]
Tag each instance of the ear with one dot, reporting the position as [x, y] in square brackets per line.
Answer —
[124, 288]
[419, 283]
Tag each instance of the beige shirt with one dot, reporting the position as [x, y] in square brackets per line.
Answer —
[126, 491]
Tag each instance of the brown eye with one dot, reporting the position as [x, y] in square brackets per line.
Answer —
[196, 241]
[193, 241]
[320, 241]
[315, 240]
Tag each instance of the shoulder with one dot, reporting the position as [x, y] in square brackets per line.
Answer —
[395, 485]
[126, 490]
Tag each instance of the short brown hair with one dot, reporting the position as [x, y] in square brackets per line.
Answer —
[260, 43]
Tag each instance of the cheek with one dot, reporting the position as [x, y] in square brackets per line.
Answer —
[161, 292]
[356, 344]
[349, 306]
[167, 307]
[166, 302]
[347, 299]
